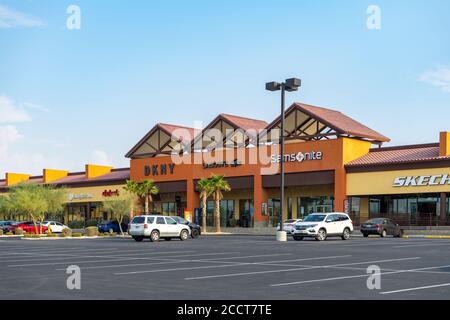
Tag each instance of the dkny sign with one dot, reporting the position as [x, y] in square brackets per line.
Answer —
[159, 169]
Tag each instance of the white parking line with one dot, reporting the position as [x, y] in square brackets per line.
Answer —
[167, 261]
[300, 268]
[231, 265]
[423, 245]
[417, 288]
[357, 276]
[112, 259]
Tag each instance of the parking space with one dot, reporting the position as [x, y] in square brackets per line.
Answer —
[228, 267]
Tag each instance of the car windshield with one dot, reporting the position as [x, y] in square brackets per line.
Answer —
[376, 221]
[315, 218]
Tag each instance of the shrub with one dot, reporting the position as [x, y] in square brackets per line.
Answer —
[77, 235]
[31, 236]
[66, 233]
[9, 234]
[51, 235]
[18, 232]
[92, 231]
[1, 232]
[76, 224]
[112, 234]
[91, 223]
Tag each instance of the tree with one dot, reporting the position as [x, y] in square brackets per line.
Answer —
[29, 199]
[119, 208]
[218, 185]
[204, 186]
[143, 190]
[6, 207]
[36, 201]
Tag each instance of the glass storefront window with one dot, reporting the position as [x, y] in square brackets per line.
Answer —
[169, 208]
[308, 205]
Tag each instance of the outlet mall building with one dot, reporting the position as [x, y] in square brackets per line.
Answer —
[333, 163]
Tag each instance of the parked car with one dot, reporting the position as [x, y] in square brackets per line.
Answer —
[288, 225]
[156, 227]
[381, 226]
[323, 225]
[196, 230]
[5, 224]
[27, 227]
[55, 226]
[112, 225]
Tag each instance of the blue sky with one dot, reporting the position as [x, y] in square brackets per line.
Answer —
[70, 97]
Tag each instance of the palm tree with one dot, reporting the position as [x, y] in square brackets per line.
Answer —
[143, 190]
[218, 185]
[149, 189]
[204, 186]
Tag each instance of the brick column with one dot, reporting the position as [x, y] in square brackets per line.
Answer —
[192, 197]
[259, 197]
[340, 190]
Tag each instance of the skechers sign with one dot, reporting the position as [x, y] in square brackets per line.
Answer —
[422, 181]
[298, 157]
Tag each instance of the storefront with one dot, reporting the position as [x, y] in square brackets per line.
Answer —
[246, 151]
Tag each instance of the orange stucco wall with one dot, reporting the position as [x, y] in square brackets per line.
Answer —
[336, 153]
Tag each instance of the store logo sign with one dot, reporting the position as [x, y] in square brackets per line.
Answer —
[223, 164]
[298, 157]
[422, 181]
[111, 193]
[80, 196]
[159, 169]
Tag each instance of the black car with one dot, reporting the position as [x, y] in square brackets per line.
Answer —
[6, 225]
[382, 227]
[195, 228]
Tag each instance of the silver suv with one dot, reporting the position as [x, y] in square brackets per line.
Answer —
[156, 227]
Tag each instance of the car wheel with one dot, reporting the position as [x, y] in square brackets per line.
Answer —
[365, 235]
[383, 234]
[346, 234]
[184, 235]
[321, 235]
[298, 238]
[138, 239]
[195, 234]
[154, 236]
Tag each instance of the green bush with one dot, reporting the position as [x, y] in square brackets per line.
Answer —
[77, 235]
[92, 231]
[66, 232]
[76, 224]
[91, 223]
[18, 232]
[31, 236]
[1, 232]
[9, 234]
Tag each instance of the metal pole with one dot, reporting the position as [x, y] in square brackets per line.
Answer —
[283, 90]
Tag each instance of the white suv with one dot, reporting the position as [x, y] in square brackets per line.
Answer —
[156, 227]
[322, 225]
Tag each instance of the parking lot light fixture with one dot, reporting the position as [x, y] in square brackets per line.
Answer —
[290, 85]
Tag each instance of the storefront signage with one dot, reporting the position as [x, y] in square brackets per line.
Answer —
[422, 181]
[159, 169]
[298, 157]
[223, 164]
[80, 196]
[111, 193]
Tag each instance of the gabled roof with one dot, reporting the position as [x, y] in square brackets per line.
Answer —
[116, 175]
[398, 155]
[184, 136]
[332, 123]
[242, 129]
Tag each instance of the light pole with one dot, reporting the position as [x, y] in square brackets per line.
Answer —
[289, 85]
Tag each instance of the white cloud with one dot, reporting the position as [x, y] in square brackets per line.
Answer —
[10, 112]
[440, 77]
[34, 106]
[10, 18]
[8, 135]
[101, 158]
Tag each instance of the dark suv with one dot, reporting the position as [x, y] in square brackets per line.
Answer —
[195, 228]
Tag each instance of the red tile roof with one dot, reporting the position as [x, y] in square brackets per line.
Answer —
[245, 123]
[340, 122]
[397, 155]
[80, 177]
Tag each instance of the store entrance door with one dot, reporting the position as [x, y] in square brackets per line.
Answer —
[246, 213]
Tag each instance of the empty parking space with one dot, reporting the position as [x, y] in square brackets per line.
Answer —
[226, 267]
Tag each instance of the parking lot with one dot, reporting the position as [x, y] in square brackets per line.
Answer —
[225, 267]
